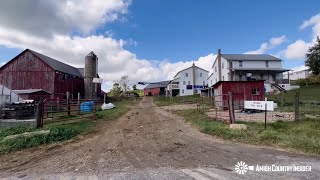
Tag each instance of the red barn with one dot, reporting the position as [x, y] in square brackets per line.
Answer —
[156, 88]
[32, 70]
[241, 90]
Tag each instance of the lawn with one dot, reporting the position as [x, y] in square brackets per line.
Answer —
[167, 101]
[60, 130]
[302, 136]
[309, 100]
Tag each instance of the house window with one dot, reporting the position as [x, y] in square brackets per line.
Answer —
[215, 68]
[267, 63]
[240, 77]
[184, 83]
[211, 82]
[188, 82]
[216, 80]
[204, 83]
[222, 65]
[261, 76]
[240, 63]
[222, 78]
[182, 91]
[255, 91]
[200, 74]
[186, 74]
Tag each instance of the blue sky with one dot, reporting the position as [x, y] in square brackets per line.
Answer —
[151, 40]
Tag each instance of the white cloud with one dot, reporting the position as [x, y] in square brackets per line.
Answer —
[273, 42]
[114, 60]
[299, 48]
[299, 68]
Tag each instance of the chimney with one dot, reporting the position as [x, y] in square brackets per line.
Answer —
[219, 64]
[193, 77]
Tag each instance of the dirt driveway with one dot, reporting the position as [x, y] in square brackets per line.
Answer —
[150, 143]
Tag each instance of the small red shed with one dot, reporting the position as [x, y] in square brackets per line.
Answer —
[241, 90]
[32, 94]
[156, 88]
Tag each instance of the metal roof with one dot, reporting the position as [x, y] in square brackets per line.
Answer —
[249, 57]
[157, 84]
[57, 65]
[27, 91]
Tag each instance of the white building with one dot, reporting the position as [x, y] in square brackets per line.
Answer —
[188, 81]
[295, 75]
[248, 67]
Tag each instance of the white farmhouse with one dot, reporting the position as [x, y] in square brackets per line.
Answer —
[188, 81]
[249, 67]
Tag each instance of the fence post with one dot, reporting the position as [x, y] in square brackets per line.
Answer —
[296, 107]
[39, 115]
[231, 107]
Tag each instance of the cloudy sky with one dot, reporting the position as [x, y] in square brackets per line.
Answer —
[152, 40]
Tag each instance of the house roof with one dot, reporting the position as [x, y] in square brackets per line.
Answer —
[249, 57]
[57, 65]
[189, 68]
[157, 84]
[28, 91]
[210, 75]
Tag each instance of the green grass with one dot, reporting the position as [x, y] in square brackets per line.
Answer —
[168, 101]
[303, 135]
[309, 100]
[59, 130]
[139, 91]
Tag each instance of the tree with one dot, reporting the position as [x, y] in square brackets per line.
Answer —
[313, 58]
[134, 87]
[124, 83]
[116, 89]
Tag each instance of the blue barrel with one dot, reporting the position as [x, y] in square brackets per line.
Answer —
[87, 106]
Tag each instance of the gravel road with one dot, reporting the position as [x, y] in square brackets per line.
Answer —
[149, 142]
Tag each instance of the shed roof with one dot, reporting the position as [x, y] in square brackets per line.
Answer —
[57, 65]
[28, 91]
[249, 57]
[234, 82]
[157, 84]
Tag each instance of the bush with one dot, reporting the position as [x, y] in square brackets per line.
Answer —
[312, 80]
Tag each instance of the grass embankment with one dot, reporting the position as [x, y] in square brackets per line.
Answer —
[303, 136]
[168, 101]
[309, 100]
[60, 130]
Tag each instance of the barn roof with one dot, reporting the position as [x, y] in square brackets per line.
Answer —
[159, 84]
[28, 91]
[248, 57]
[57, 65]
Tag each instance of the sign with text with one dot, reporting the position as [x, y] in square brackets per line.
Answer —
[259, 105]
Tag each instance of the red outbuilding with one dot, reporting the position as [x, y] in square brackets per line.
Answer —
[156, 88]
[241, 91]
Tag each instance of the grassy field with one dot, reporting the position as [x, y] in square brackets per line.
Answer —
[60, 130]
[167, 101]
[139, 91]
[309, 100]
[303, 136]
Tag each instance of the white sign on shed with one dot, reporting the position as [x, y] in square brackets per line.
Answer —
[259, 105]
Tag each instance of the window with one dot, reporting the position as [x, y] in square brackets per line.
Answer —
[267, 63]
[200, 74]
[222, 65]
[211, 82]
[216, 80]
[261, 76]
[255, 91]
[222, 78]
[240, 63]
[240, 77]
[182, 91]
[188, 82]
[187, 74]
[204, 83]
[184, 83]
[215, 68]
